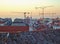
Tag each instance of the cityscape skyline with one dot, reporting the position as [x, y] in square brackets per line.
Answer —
[8, 6]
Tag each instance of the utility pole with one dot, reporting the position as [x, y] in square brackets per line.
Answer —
[43, 8]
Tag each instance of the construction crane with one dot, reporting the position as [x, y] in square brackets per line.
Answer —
[50, 14]
[43, 8]
[22, 12]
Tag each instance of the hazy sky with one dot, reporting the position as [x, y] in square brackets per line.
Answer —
[8, 6]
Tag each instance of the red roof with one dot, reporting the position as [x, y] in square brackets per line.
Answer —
[13, 29]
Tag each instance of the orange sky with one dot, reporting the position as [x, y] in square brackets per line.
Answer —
[8, 6]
